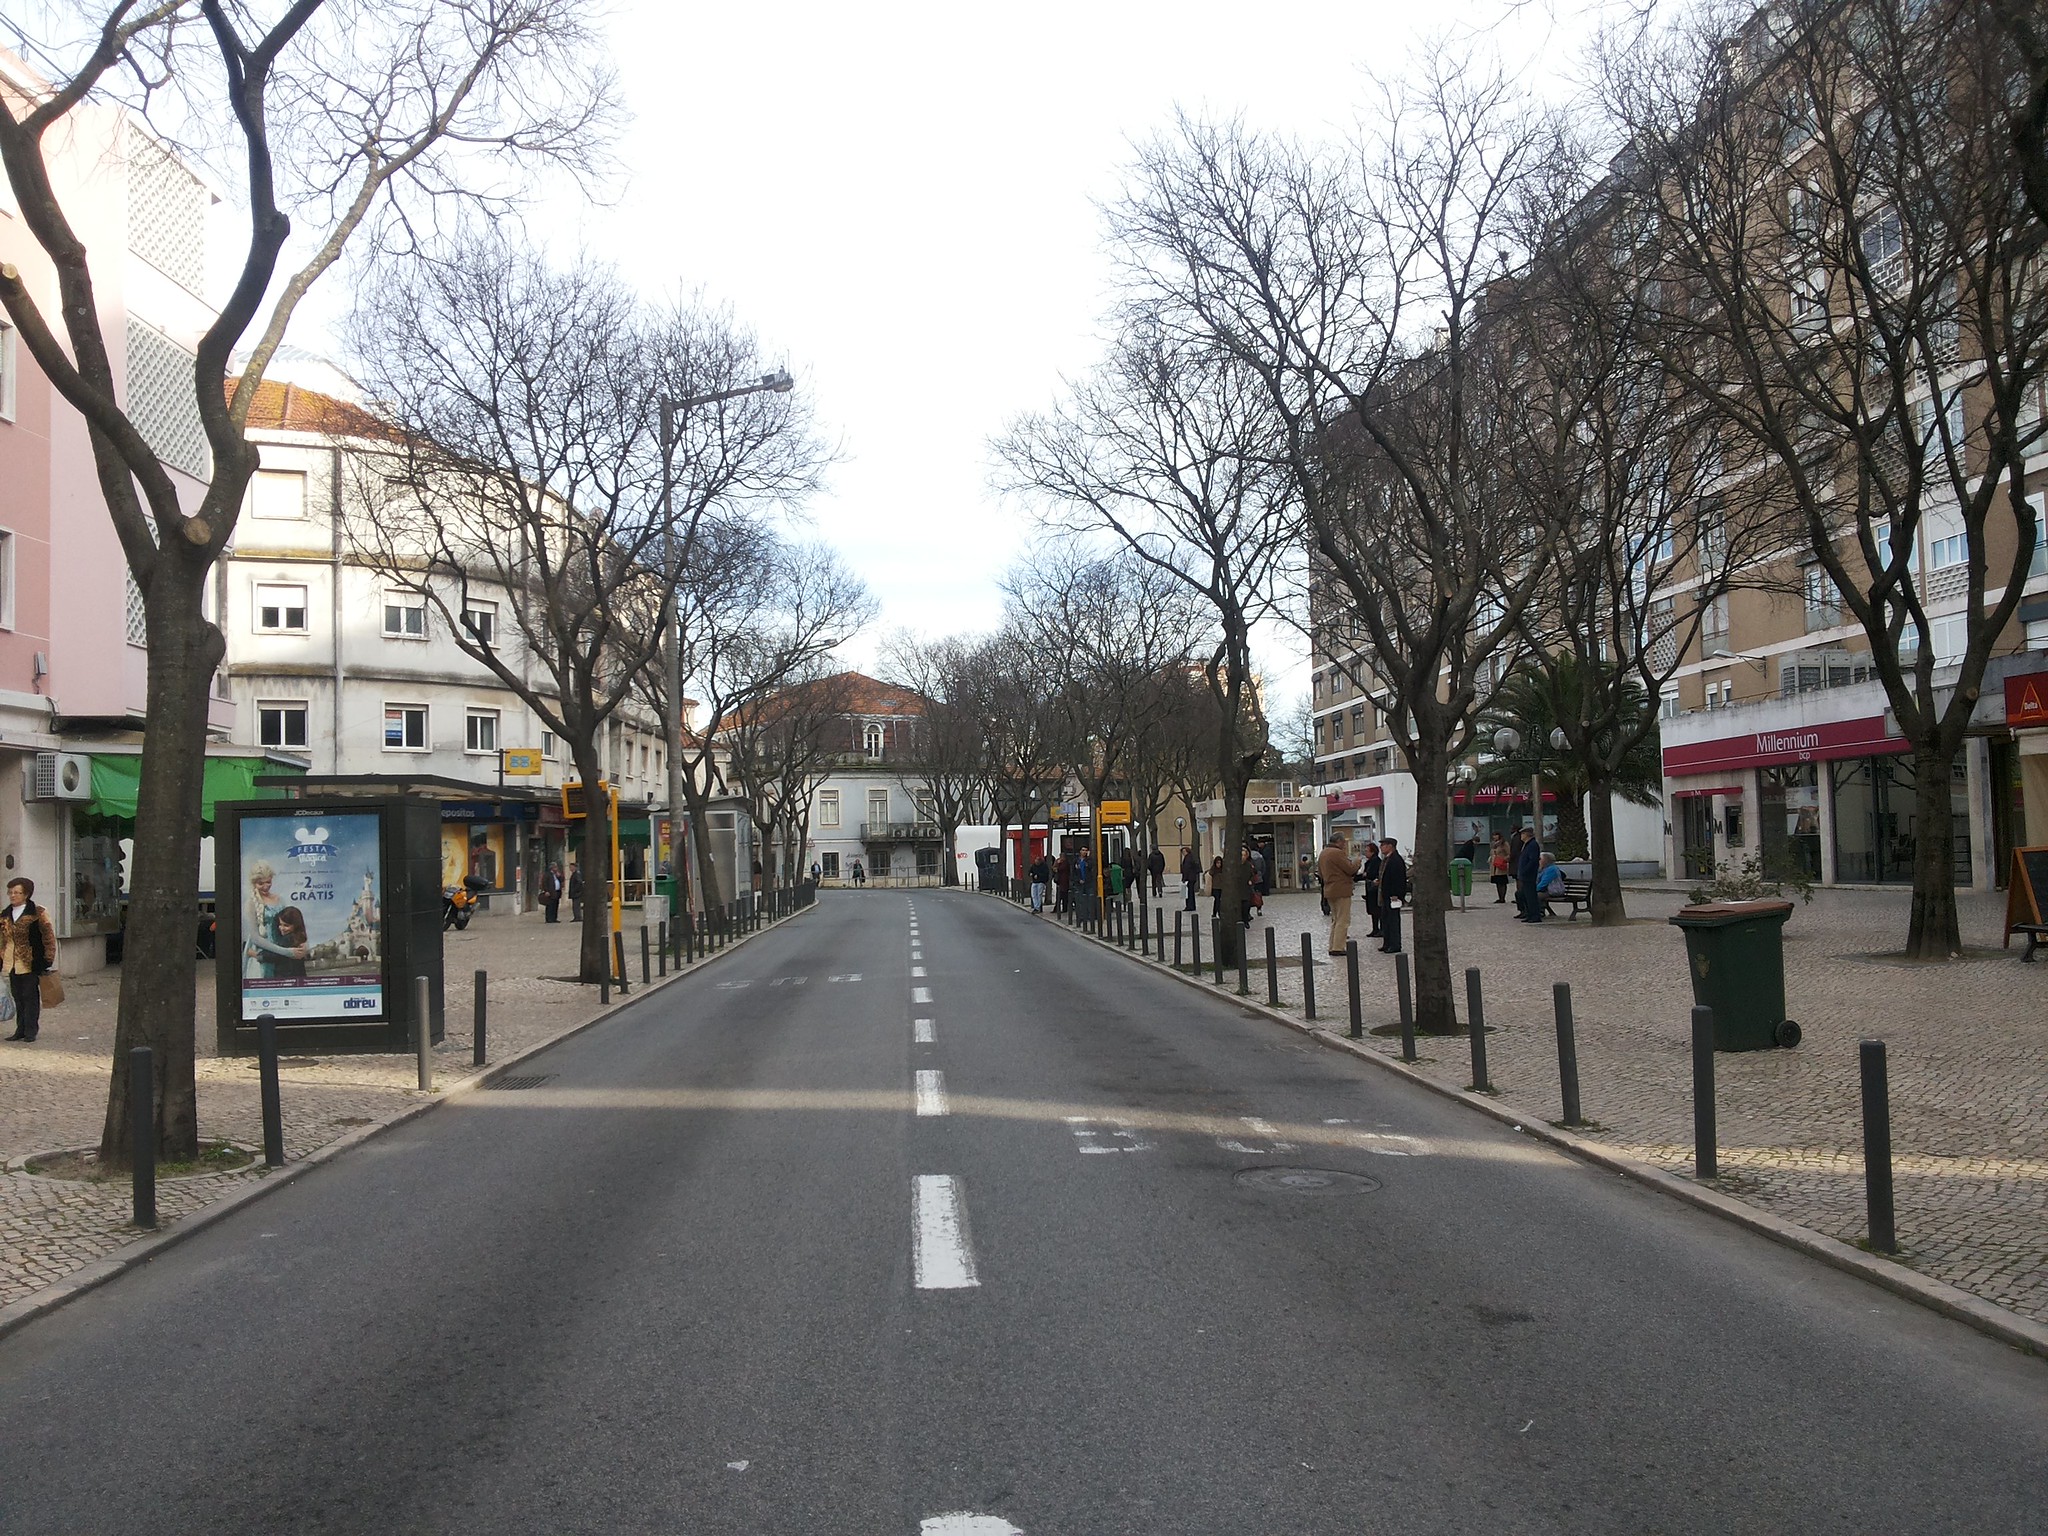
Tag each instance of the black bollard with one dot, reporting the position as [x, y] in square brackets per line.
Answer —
[1159, 931]
[273, 1103]
[661, 946]
[1176, 941]
[142, 1135]
[1144, 933]
[1272, 970]
[1406, 988]
[1706, 1161]
[479, 1035]
[646, 961]
[1567, 1052]
[619, 959]
[1195, 947]
[1308, 976]
[1357, 1030]
[1877, 1147]
[689, 939]
[1476, 1008]
[1244, 960]
[604, 988]
[1216, 940]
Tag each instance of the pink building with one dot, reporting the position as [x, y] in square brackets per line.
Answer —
[73, 653]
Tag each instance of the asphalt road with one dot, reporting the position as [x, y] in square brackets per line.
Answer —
[737, 1266]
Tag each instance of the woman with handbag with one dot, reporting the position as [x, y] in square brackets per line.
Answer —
[28, 953]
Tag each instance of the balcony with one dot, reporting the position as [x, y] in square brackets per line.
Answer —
[901, 832]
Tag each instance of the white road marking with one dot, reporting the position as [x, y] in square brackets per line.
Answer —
[960, 1523]
[917, 970]
[789, 981]
[941, 1258]
[733, 986]
[931, 1093]
[854, 976]
[920, 994]
[1087, 1134]
[1267, 1129]
[921, 1031]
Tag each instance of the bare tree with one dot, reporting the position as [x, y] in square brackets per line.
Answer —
[354, 120]
[1025, 747]
[780, 750]
[1845, 239]
[1355, 285]
[948, 755]
[1172, 447]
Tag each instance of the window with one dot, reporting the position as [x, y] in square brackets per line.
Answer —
[405, 616]
[1714, 620]
[405, 727]
[1810, 303]
[281, 722]
[1884, 248]
[1882, 537]
[1948, 541]
[871, 739]
[828, 810]
[1823, 603]
[481, 620]
[278, 494]
[828, 865]
[547, 745]
[480, 733]
[878, 807]
[1667, 704]
[1951, 637]
[6, 366]
[6, 579]
[643, 760]
[280, 608]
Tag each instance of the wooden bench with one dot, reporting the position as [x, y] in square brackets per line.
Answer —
[2037, 937]
[1579, 893]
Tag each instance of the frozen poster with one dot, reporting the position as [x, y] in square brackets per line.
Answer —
[312, 917]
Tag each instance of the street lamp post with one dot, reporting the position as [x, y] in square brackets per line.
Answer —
[778, 383]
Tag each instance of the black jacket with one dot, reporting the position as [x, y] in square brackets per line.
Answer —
[1191, 868]
[1393, 878]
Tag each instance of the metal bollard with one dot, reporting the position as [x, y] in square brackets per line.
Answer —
[619, 960]
[1351, 985]
[689, 938]
[273, 1103]
[1706, 1161]
[1567, 1052]
[646, 962]
[1216, 939]
[1195, 948]
[142, 1135]
[1272, 970]
[479, 1035]
[1176, 941]
[1159, 931]
[1144, 933]
[1244, 961]
[604, 987]
[1476, 1008]
[1308, 976]
[661, 946]
[423, 1031]
[1877, 1147]
[1406, 987]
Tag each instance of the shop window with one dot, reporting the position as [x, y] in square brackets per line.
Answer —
[405, 727]
[1875, 822]
[1788, 821]
[281, 723]
[280, 609]
[405, 616]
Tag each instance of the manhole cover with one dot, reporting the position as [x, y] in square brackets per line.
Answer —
[1307, 1181]
[514, 1084]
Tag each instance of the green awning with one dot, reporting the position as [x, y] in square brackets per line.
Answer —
[116, 781]
[634, 832]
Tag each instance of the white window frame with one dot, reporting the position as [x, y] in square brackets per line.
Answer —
[878, 797]
[485, 634]
[405, 603]
[470, 721]
[547, 745]
[1668, 703]
[7, 548]
[874, 741]
[283, 607]
[303, 708]
[426, 741]
[828, 810]
[264, 507]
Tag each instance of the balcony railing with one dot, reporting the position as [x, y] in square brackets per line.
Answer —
[901, 832]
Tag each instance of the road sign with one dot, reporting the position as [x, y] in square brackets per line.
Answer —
[1115, 813]
[522, 762]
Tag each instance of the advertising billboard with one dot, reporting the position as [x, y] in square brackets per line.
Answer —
[312, 930]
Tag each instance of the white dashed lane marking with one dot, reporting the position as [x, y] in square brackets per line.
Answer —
[921, 1031]
[941, 1252]
[960, 1523]
[931, 1093]
[917, 970]
[920, 994]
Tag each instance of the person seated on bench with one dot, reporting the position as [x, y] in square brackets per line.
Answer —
[1549, 884]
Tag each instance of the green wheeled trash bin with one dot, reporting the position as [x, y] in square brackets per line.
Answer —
[1736, 953]
[1461, 878]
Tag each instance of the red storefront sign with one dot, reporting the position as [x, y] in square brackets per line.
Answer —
[2026, 699]
[1355, 799]
[1496, 795]
[1795, 744]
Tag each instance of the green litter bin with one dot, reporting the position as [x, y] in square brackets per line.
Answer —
[1461, 877]
[1736, 953]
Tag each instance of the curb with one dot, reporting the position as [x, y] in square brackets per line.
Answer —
[1951, 1301]
[58, 1293]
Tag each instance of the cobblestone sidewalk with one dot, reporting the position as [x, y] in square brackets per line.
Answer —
[53, 1093]
[1967, 1042]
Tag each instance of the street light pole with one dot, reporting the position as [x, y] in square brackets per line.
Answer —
[778, 383]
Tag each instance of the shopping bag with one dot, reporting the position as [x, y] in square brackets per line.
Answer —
[52, 987]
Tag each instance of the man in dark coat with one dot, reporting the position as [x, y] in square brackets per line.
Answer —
[1528, 864]
[1190, 875]
[1155, 865]
[1393, 894]
[1370, 880]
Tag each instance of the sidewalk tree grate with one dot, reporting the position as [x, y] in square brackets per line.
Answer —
[1305, 1181]
[514, 1084]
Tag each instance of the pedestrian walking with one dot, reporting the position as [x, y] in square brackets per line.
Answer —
[1062, 884]
[1393, 894]
[1116, 884]
[1339, 873]
[1041, 877]
[575, 893]
[1134, 886]
[1260, 877]
[860, 874]
[551, 893]
[1498, 858]
[1528, 863]
[1216, 887]
[28, 954]
[817, 872]
[1190, 875]
[1155, 865]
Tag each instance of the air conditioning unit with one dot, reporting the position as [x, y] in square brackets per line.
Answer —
[61, 776]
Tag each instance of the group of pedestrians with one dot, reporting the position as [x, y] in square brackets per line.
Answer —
[1383, 875]
[1520, 857]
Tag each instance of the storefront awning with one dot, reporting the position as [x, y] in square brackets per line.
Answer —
[117, 782]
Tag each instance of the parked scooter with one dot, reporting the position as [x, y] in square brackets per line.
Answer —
[458, 903]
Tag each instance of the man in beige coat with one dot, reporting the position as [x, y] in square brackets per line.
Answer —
[1339, 871]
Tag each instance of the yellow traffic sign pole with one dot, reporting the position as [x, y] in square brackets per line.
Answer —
[618, 872]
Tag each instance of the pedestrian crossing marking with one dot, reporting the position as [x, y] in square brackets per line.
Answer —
[1089, 1134]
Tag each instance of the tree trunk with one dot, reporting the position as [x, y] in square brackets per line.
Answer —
[159, 968]
[1935, 933]
[710, 890]
[1572, 831]
[594, 954]
[1607, 909]
[949, 855]
[1429, 899]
